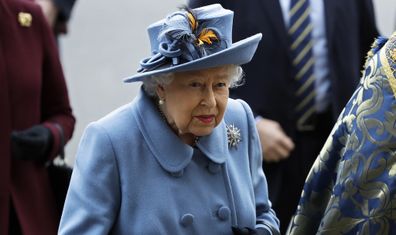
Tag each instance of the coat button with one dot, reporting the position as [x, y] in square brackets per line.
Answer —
[187, 219]
[224, 213]
[177, 174]
[214, 167]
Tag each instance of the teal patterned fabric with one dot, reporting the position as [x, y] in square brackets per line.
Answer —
[351, 188]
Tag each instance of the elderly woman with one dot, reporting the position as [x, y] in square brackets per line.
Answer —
[351, 188]
[182, 158]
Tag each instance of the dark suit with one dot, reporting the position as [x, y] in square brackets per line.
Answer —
[350, 29]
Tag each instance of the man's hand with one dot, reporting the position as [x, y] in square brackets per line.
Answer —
[275, 143]
[50, 11]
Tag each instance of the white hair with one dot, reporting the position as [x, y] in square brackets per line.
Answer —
[236, 76]
[150, 84]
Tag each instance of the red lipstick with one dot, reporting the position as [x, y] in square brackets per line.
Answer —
[207, 119]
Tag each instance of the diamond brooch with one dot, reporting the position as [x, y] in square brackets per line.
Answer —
[233, 135]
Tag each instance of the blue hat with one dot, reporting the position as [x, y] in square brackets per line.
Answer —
[194, 39]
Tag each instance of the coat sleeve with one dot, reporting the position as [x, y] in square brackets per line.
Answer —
[93, 199]
[265, 215]
[55, 106]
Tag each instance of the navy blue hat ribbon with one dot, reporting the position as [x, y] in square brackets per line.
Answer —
[183, 38]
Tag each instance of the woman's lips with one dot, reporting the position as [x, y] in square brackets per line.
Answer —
[207, 119]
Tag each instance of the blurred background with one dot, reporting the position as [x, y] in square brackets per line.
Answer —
[105, 44]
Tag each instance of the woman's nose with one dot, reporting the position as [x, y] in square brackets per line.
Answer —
[208, 98]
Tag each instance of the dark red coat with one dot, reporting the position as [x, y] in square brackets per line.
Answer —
[32, 91]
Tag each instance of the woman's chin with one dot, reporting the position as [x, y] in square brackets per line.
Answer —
[203, 131]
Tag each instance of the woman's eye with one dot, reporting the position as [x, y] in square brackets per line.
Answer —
[195, 84]
[221, 84]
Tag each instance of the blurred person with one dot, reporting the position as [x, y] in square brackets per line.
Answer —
[304, 71]
[181, 158]
[351, 187]
[57, 13]
[35, 117]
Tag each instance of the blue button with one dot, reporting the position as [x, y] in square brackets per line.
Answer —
[224, 213]
[187, 219]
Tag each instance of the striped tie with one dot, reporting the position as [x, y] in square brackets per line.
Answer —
[300, 29]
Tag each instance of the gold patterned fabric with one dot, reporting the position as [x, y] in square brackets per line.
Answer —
[351, 188]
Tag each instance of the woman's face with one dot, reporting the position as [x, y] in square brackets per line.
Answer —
[195, 101]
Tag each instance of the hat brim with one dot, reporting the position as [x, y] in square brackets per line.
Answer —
[238, 53]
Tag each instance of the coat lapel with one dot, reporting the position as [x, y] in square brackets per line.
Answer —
[329, 8]
[171, 153]
[274, 13]
[215, 145]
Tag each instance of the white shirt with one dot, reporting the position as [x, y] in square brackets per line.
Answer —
[320, 51]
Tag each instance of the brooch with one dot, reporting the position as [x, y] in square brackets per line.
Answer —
[233, 135]
[25, 19]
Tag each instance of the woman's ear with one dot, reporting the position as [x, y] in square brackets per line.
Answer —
[160, 90]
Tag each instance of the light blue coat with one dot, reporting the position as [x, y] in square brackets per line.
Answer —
[133, 175]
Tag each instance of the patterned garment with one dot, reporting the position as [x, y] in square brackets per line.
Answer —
[351, 188]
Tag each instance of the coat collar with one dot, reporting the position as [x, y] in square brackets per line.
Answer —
[171, 153]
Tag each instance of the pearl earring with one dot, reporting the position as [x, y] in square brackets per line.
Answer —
[161, 101]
